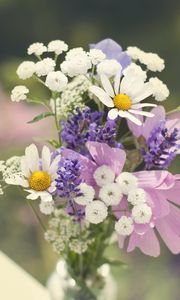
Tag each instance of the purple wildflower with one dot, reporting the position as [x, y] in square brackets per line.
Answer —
[67, 182]
[86, 126]
[161, 147]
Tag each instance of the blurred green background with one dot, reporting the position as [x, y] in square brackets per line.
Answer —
[149, 24]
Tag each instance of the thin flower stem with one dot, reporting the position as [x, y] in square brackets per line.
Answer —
[36, 214]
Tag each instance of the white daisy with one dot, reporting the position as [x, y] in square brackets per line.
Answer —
[88, 194]
[125, 97]
[38, 178]
[111, 194]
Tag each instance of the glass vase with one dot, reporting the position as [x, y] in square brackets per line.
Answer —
[62, 286]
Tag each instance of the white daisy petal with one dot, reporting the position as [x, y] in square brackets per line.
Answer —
[32, 157]
[126, 84]
[144, 93]
[46, 158]
[141, 105]
[102, 96]
[24, 167]
[45, 196]
[107, 85]
[32, 195]
[113, 113]
[126, 114]
[117, 82]
[141, 113]
[54, 165]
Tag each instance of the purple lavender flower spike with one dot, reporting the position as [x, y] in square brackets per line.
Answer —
[67, 182]
[113, 51]
[86, 126]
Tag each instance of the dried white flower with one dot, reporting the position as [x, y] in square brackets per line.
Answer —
[88, 194]
[96, 56]
[103, 175]
[124, 226]
[141, 213]
[57, 47]
[26, 69]
[19, 93]
[127, 182]
[153, 61]
[135, 71]
[135, 53]
[111, 194]
[45, 66]
[37, 49]
[96, 212]
[108, 67]
[46, 207]
[56, 81]
[137, 196]
[160, 90]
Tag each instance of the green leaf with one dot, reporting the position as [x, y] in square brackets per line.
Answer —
[54, 143]
[40, 117]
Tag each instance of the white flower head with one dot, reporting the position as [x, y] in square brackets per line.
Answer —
[96, 212]
[88, 194]
[38, 180]
[56, 81]
[47, 207]
[75, 53]
[111, 194]
[104, 175]
[109, 67]
[135, 70]
[135, 53]
[57, 47]
[26, 69]
[37, 49]
[124, 226]
[160, 90]
[2, 165]
[45, 66]
[125, 96]
[96, 56]
[79, 65]
[19, 93]
[137, 196]
[153, 62]
[127, 182]
[141, 213]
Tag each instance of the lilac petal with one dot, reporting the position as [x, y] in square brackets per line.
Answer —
[136, 129]
[105, 155]
[151, 179]
[150, 124]
[173, 194]
[161, 207]
[147, 243]
[113, 51]
[169, 236]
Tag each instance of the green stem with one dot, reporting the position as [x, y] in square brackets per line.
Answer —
[36, 214]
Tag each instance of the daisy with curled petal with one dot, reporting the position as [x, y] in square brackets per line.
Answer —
[125, 97]
[39, 175]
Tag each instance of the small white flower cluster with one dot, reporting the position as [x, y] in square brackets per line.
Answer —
[108, 67]
[77, 62]
[63, 233]
[111, 192]
[19, 93]
[154, 63]
[11, 170]
[72, 97]
[140, 212]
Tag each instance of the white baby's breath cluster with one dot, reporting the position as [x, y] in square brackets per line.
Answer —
[11, 170]
[19, 93]
[63, 232]
[73, 96]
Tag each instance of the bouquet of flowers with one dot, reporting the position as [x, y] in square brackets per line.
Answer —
[105, 178]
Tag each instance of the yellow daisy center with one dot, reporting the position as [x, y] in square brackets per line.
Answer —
[39, 181]
[122, 102]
